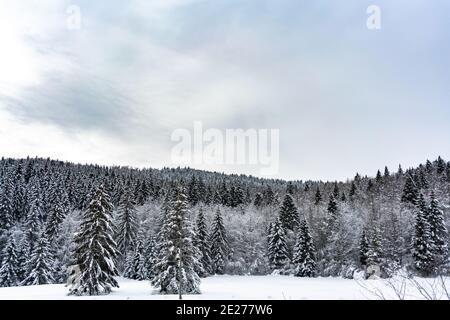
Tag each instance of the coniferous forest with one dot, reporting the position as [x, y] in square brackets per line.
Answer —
[166, 225]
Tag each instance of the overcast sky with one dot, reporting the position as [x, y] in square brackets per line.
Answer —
[345, 98]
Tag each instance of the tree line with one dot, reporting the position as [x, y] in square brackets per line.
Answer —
[174, 226]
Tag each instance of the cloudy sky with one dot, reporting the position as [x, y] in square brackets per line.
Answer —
[344, 97]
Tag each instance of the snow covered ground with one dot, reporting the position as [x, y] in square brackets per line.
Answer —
[246, 288]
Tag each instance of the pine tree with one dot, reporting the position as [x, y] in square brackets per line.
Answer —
[96, 251]
[304, 253]
[126, 224]
[201, 241]
[277, 246]
[288, 213]
[422, 241]
[40, 265]
[177, 259]
[8, 270]
[219, 245]
[363, 249]
[438, 234]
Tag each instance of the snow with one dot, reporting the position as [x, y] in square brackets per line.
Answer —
[238, 287]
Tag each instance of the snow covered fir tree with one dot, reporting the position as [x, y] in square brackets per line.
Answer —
[96, 251]
[171, 226]
[177, 260]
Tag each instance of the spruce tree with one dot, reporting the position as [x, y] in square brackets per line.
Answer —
[410, 191]
[33, 224]
[363, 249]
[135, 268]
[96, 251]
[423, 181]
[370, 186]
[40, 266]
[447, 172]
[193, 191]
[438, 234]
[159, 241]
[177, 259]
[143, 193]
[23, 253]
[149, 257]
[201, 241]
[332, 209]
[422, 241]
[9, 267]
[269, 196]
[429, 166]
[258, 202]
[6, 207]
[374, 252]
[126, 224]
[219, 245]
[353, 190]
[288, 213]
[336, 190]
[290, 188]
[379, 177]
[53, 223]
[317, 197]
[304, 253]
[307, 187]
[440, 166]
[277, 246]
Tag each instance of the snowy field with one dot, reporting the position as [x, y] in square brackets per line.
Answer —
[247, 288]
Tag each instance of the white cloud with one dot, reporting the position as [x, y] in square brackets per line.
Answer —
[115, 89]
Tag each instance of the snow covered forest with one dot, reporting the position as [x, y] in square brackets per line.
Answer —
[170, 224]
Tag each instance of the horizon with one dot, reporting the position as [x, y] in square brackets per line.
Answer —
[349, 179]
